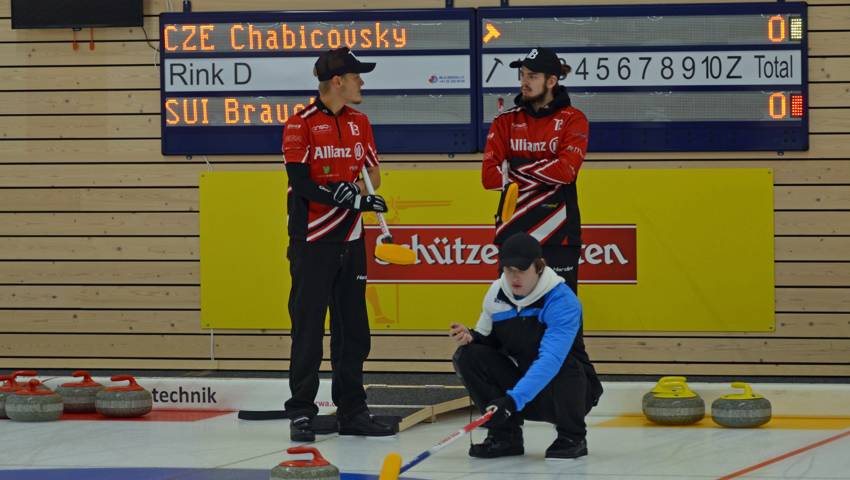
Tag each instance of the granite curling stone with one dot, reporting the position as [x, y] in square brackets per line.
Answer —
[29, 373]
[80, 397]
[679, 407]
[315, 469]
[659, 388]
[124, 402]
[8, 388]
[34, 405]
[741, 410]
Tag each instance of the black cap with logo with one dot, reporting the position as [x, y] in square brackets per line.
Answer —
[519, 251]
[339, 62]
[540, 60]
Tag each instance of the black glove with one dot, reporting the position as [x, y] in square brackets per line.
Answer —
[370, 203]
[344, 192]
[505, 407]
[517, 162]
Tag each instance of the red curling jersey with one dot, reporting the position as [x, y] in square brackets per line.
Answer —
[336, 148]
[555, 137]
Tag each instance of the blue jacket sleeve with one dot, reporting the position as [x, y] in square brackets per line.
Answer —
[562, 315]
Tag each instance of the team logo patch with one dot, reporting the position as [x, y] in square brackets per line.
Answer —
[358, 151]
[322, 129]
[553, 145]
[293, 138]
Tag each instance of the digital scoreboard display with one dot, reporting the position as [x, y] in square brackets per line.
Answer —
[663, 77]
[230, 80]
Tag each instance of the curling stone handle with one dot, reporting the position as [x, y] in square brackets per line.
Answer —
[24, 373]
[672, 379]
[122, 378]
[672, 384]
[32, 384]
[84, 374]
[317, 459]
[747, 389]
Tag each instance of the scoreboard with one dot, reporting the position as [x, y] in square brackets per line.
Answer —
[664, 77]
[230, 80]
[691, 77]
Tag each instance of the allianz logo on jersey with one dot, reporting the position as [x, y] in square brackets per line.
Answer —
[523, 145]
[331, 152]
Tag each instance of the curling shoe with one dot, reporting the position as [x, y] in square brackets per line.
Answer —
[564, 447]
[301, 430]
[499, 445]
[365, 425]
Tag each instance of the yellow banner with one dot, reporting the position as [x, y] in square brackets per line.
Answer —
[664, 250]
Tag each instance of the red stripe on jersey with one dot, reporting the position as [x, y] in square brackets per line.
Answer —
[522, 210]
[543, 230]
[317, 235]
[356, 229]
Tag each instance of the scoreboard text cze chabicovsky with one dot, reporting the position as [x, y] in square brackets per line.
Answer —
[649, 78]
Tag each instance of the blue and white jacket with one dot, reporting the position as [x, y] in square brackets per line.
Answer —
[538, 331]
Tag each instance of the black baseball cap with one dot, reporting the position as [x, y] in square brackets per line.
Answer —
[339, 62]
[519, 251]
[540, 60]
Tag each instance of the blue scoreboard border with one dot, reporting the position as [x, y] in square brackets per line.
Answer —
[681, 136]
[264, 140]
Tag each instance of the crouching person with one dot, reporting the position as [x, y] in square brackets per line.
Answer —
[526, 356]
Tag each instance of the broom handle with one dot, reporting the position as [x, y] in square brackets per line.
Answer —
[505, 177]
[445, 443]
[384, 229]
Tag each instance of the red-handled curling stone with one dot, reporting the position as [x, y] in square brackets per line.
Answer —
[34, 405]
[79, 397]
[124, 402]
[29, 373]
[316, 468]
[10, 387]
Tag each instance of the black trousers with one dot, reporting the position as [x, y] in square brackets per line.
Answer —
[488, 374]
[328, 275]
[563, 259]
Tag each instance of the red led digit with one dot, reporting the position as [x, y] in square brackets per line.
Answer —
[773, 104]
[796, 105]
[778, 23]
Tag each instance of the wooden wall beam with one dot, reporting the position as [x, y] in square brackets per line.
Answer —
[99, 248]
[100, 273]
[96, 224]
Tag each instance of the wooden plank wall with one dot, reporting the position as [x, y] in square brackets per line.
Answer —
[99, 232]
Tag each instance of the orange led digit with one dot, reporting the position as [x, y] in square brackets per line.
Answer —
[191, 29]
[303, 38]
[233, 37]
[231, 105]
[331, 42]
[796, 105]
[165, 34]
[780, 27]
[313, 38]
[285, 113]
[287, 34]
[298, 107]
[266, 116]
[172, 112]
[205, 29]
[400, 42]
[271, 41]
[194, 120]
[366, 43]
[248, 108]
[350, 43]
[772, 110]
[204, 103]
[251, 33]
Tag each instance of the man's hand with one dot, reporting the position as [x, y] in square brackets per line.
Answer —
[505, 407]
[344, 192]
[370, 203]
[517, 162]
[460, 334]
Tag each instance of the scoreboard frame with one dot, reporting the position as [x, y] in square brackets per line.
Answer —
[266, 139]
[614, 136]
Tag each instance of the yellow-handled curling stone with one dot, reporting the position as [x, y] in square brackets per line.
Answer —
[678, 407]
[659, 388]
[741, 410]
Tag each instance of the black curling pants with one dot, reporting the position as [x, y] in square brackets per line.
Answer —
[488, 374]
[328, 275]
[563, 259]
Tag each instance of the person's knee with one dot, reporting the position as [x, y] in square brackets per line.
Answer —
[466, 357]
